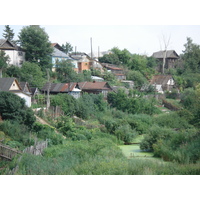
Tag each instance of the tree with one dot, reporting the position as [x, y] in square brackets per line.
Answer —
[8, 33]
[67, 47]
[35, 41]
[166, 44]
[65, 71]
[3, 61]
[191, 56]
[110, 58]
[33, 74]
[12, 107]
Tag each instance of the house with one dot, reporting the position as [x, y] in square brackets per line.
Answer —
[59, 55]
[85, 62]
[25, 87]
[95, 87]
[69, 88]
[96, 55]
[97, 79]
[12, 85]
[171, 58]
[162, 83]
[118, 72]
[34, 92]
[15, 53]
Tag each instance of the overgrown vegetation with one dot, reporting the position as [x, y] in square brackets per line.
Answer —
[85, 139]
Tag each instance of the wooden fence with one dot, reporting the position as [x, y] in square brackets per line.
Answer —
[37, 149]
[7, 152]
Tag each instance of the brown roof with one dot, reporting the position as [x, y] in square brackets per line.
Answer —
[170, 54]
[59, 87]
[160, 79]
[94, 85]
[111, 66]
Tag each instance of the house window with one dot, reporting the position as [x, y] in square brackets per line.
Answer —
[13, 85]
[20, 53]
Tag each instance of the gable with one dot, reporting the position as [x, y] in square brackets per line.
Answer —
[5, 44]
[7, 84]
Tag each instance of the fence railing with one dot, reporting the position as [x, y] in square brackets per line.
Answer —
[8, 152]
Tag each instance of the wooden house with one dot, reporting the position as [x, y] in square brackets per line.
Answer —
[95, 87]
[15, 53]
[69, 88]
[170, 60]
[12, 85]
[118, 72]
[162, 83]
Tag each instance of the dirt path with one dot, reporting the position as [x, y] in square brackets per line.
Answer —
[42, 121]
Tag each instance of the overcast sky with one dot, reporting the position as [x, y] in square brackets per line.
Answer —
[140, 39]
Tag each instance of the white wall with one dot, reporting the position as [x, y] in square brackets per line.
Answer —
[16, 57]
[27, 98]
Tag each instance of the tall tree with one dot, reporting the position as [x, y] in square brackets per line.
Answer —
[67, 47]
[3, 61]
[8, 33]
[35, 41]
[191, 56]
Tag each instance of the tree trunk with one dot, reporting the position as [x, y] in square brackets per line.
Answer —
[1, 73]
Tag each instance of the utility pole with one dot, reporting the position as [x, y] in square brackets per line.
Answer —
[91, 47]
[48, 89]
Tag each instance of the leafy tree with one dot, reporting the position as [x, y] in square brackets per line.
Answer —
[110, 58]
[123, 55]
[12, 107]
[33, 74]
[137, 77]
[66, 72]
[3, 61]
[8, 33]
[67, 47]
[14, 71]
[191, 56]
[35, 41]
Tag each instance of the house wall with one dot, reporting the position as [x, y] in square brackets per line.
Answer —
[55, 59]
[27, 98]
[83, 66]
[14, 86]
[16, 57]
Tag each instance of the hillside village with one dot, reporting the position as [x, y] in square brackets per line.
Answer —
[80, 62]
[75, 112]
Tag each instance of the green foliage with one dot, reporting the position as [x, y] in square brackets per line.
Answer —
[3, 61]
[67, 102]
[19, 134]
[33, 74]
[137, 77]
[8, 33]
[12, 107]
[67, 47]
[182, 147]
[155, 134]
[35, 41]
[134, 105]
[171, 120]
[46, 132]
[110, 58]
[191, 56]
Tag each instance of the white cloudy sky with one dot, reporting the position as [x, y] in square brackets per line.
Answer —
[141, 39]
[138, 27]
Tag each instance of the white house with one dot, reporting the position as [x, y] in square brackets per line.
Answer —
[15, 53]
[12, 85]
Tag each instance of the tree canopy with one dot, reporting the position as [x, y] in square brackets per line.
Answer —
[35, 41]
[8, 33]
[12, 107]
